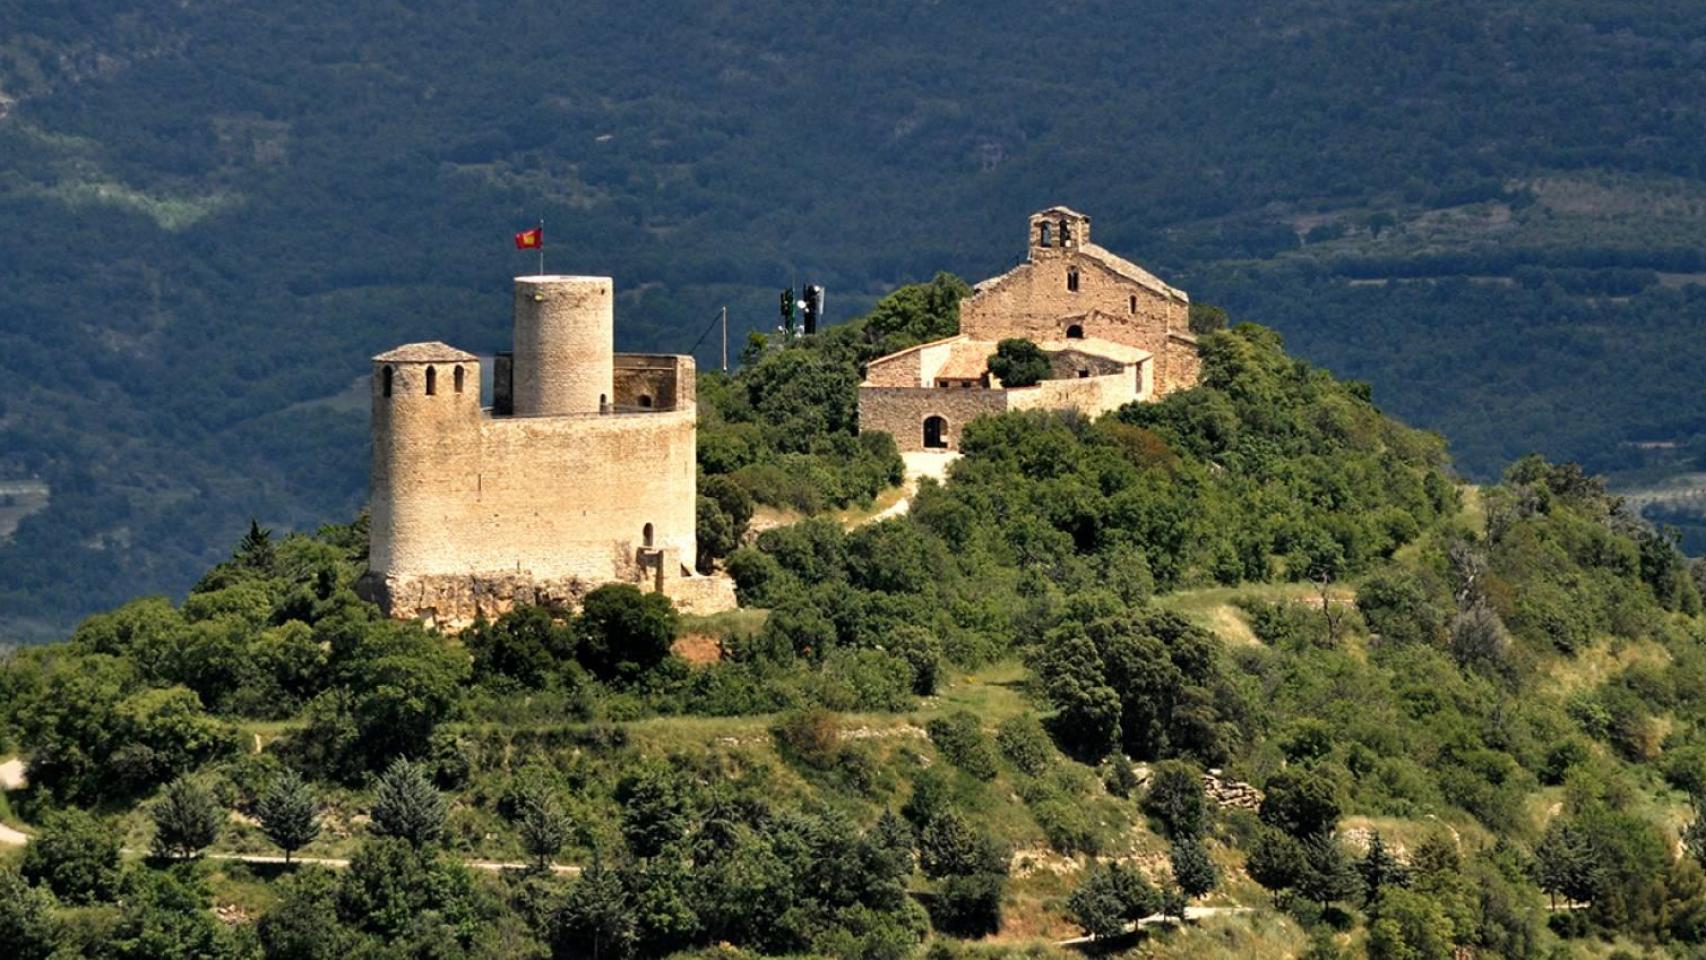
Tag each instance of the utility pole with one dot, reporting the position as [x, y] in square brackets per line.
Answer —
[725, 338]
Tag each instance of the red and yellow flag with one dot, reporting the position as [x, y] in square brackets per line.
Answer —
[530, 239]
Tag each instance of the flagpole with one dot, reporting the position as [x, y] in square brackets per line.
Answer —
[541, 246]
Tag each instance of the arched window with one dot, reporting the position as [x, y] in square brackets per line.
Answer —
[385, 378]
[1134, 303]
[646, 535]
[1072, 279]
[1075, 332]
[460, 376]
[935, 433]
[1045, 235]
[603, 404]
[432, 381]
[1065, 232]
[646, 400]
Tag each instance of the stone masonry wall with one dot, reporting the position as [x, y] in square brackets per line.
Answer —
[1092, 396]
[901, 411]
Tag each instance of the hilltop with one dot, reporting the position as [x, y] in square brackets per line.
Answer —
[211, 214]
[1249, 648]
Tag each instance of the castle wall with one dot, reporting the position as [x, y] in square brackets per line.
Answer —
[571, 496]
[564, 331]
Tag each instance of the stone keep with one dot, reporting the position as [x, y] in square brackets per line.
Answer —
[582, 471]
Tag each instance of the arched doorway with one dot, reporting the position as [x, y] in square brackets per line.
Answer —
[935, 433]
[1075, 332]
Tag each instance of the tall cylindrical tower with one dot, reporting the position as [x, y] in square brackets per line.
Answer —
[564, 339]
[426, 458]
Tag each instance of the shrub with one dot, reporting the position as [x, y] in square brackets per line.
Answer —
[960, 738]
[1018, 362]
[1025, 744]
[76, 856]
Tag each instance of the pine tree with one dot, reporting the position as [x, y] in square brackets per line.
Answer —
[186, 820]
[289, 815]
[543, 825]
[256, 549]
[1326, 874]
[406, 805]
[1380, 869]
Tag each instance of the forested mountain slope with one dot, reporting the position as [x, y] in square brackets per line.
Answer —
[210, 214]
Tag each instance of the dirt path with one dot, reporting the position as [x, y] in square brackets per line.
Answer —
[919, 464]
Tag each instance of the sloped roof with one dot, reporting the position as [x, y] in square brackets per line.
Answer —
[431, 351]
[1061, 209]
[1130, 271]
[1097, 347]
[967, 360]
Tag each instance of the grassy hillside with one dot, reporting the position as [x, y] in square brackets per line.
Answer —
[211, 214]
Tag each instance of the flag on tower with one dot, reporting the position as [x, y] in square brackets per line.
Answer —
[530, 239]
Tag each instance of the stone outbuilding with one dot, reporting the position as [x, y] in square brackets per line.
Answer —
[1113, 333]
[581, 472]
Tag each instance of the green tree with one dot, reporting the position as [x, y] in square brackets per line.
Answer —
[166, 916]
[1110, 899]
[289, 813]
[255, 551]
[1018, 362]
[1325, 874]
[596, 920]
[76, 856]
[656, 810]
[1175, 797]
[28, 926]
[543, 826]
[1406, 925]
[623, 632]
[959, 735]
[1380, 869]
[1300, 802]
[1564, 863]
[525, 644]
[304, 924]
[1193, 870]
[187, 818]
[407, 806]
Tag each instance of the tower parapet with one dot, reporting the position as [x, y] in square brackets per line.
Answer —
[564, 344]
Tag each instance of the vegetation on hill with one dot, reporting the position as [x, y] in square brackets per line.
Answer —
[212, 214]
[1472, 716]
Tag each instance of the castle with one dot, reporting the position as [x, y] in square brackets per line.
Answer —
[1112, 331]
[581, 472]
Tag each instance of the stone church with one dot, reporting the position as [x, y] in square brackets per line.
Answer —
[1113, 333]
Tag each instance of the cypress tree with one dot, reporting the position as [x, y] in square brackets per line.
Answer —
[186, 820]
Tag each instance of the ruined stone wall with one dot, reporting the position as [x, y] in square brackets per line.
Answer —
[901, 411]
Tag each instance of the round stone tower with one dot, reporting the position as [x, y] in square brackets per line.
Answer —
[564, 335]
[426, 456]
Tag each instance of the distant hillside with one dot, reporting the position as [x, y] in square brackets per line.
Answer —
[211, 214]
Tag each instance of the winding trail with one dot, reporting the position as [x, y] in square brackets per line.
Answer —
[919, 464]
[1191, 913]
